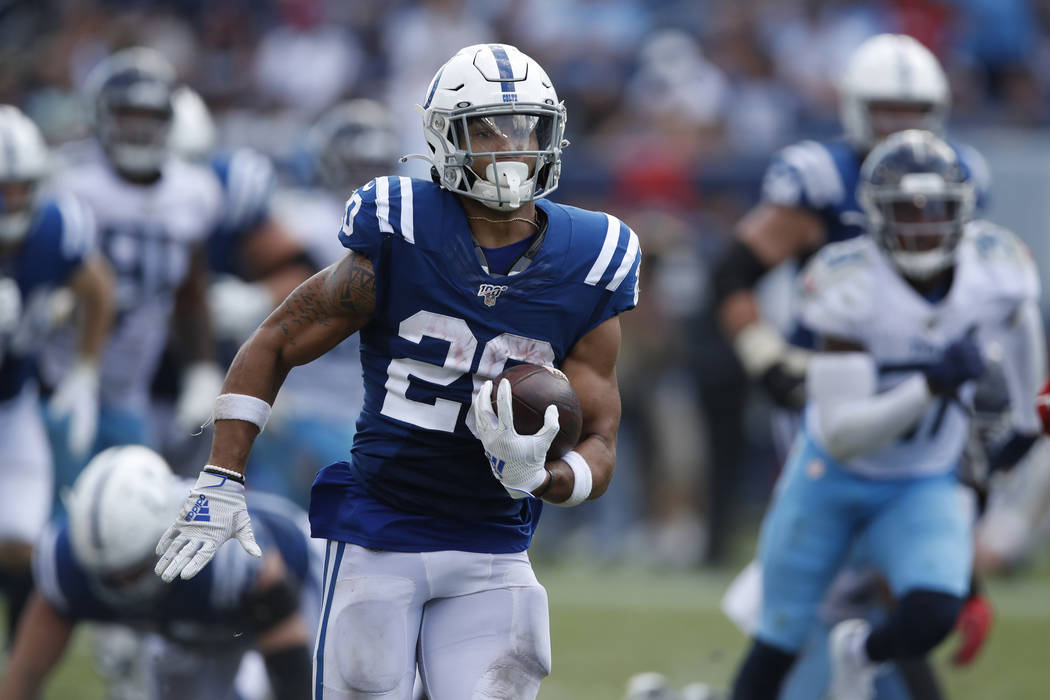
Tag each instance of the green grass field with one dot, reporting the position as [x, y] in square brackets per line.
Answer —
[607, 624]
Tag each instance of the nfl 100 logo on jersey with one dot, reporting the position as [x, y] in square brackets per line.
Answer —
[490, 292]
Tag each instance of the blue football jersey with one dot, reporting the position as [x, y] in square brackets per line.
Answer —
[206, 608]
[61, 235]
[418, 479]
[247, 178]
[822, 177]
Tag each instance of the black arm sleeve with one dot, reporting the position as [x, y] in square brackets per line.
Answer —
[290, 671]
[737, 269]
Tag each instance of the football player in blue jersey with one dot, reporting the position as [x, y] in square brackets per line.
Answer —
[95, 566]
[447, 283]
[44, 244]
[907, 316]
[256, 260]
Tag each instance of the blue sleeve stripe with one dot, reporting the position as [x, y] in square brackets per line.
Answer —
[407, 213]
[383, 204]
[626, 263]
[612, 236]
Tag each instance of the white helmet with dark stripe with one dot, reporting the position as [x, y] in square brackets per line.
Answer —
[892, 70]
[498, 89]
[118, 508]
[23, 164]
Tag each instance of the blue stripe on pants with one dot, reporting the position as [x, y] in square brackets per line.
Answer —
[324, 617]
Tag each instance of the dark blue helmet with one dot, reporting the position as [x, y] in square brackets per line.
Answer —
[917, 198]
[132, 93]
[352, 143]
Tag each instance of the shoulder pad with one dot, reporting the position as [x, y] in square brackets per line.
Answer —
[804, 174]
[836, 288]
[384, 206]
[247, 178]
[47, 568]
[1005, 258]
[606, 249]
[78, 226]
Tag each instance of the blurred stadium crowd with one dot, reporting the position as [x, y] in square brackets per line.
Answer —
[674, 109]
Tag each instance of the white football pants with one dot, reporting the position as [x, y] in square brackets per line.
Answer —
[475, 624]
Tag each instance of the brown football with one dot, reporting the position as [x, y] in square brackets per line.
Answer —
[532, 389]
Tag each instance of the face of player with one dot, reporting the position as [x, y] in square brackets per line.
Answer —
[141, 127]
[504, 133]
[921, 223]
[890, 117]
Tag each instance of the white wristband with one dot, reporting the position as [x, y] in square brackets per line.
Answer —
[582, 479]
[242, 407]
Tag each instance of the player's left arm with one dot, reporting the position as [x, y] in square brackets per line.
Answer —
[92, 285]
[43, 635]
[591, 368]
[1023, 361]
[192, 320]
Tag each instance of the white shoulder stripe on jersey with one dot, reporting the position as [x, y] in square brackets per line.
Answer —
[78, 226]
[626, 263]
[820, 176]
[407, 230]
[612, 236]
[383, 204]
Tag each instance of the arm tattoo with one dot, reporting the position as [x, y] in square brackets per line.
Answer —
[345, 289]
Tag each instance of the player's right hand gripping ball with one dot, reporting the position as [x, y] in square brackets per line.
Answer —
[520, 428]
[532, 389]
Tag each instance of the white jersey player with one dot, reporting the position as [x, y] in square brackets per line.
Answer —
[153, 213]
[907, 317]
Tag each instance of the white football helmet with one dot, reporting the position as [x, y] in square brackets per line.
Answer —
[23, 164]
[891, 69]
[119, 506]
[193, 133]
[131, 92]
[497, 88]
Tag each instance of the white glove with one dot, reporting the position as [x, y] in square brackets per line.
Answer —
[201, 384]
[517, 461]
[76, 398]
[238, 307]
[213, 513]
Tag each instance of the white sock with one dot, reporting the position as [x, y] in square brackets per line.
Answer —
[857, 647]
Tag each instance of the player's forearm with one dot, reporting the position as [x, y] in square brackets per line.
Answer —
[42, 639]
[853, 418]
[193, 330]
[93, 286]
[600, 455]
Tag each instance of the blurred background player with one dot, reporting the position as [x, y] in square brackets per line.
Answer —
[901, 315]
[95, 565]
[348, 146]
[890, 82]
[253, 263]
[448, 281]
[154, 213]
[45, 243]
